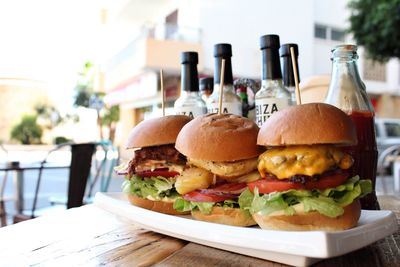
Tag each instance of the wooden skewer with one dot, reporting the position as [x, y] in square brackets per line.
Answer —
[296, 77]
[162, 92]
[221, 86]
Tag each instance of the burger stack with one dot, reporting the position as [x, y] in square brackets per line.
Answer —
[292, 174]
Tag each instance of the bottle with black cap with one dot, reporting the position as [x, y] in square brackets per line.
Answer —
[287, 68]
[206, 87]
[231, 103]
[190, 102]
[272, 96]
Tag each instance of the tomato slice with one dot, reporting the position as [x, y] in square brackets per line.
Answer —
[266, 186]
[158, 172]
[198, 196]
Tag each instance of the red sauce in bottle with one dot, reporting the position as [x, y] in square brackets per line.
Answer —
[365, 154]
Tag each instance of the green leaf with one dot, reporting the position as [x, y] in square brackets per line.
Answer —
[182, 205]
[155, 187]
[204, 207]
[329, 202]
[323, 205]
[245, 199]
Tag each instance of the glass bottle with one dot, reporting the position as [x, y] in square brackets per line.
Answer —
[272, 96]
[190, 102]
[231, 103]
[287, 68]
[347, 92]
[206, 87]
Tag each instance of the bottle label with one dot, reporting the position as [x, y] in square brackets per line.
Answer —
[192, 112]
[265, 107]
[232, 108]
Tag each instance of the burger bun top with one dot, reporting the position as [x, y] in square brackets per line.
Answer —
[219, 137]
[156, 131]
[308, 124]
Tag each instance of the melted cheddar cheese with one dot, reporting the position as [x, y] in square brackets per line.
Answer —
[306, 160]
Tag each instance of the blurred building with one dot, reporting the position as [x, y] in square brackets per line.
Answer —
[163, 29]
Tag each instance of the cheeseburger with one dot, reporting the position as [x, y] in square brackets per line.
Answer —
[221, 153]
[152, 172]
[305, 181]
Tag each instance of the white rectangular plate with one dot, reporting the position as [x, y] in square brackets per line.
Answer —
[294, 248]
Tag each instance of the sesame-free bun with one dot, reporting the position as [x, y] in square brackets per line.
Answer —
[158, 206]
[308, 124]
[215, 137]
[156, 131]
[311, 221]
[229, 216]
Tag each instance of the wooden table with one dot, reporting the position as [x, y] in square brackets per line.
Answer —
[90, 236]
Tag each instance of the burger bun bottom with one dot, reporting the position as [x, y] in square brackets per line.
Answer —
[311, 221]
[229, 216]
[158, 206]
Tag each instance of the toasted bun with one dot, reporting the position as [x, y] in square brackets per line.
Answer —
[314, 123]
[157, 131]
[311, 221]
[214, 137]
[229, 216]
[158, 206]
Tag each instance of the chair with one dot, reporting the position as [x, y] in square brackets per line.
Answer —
[3, 213]
[389, 158]
[104, 168]
[79, 169]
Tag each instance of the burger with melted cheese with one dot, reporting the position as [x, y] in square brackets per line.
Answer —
[152, 172]
[305, 182]
[222, 154]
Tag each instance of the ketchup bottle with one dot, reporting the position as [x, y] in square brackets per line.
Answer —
[347, 92]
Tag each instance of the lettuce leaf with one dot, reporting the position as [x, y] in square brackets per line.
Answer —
[182, 205]
[156, 187]
[329, 202]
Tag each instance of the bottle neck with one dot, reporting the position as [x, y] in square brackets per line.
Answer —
[189, 78]
[271, 83]
[346, 89]
[228, 88]
[271, 66]
[228, 77]
[190, 94]
[346, 68]
[288, 73]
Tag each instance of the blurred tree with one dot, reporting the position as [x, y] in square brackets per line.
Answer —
[375, 24]
[49, 116]
[84, 86]
[110, 119]
[27, 131]
[86, 97]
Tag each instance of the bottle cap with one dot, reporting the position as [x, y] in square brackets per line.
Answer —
[345, 50]
[206, 83]
[284, 51]
[189, 57]
[269, 41]
[223, 50]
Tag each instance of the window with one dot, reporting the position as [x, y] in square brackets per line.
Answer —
[320, 32]
[392, 129]
[374, 71]
[337, 35]
[329, 33]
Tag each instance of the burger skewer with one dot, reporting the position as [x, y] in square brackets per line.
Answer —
[296, 77]
[221, 86]
[162, 92]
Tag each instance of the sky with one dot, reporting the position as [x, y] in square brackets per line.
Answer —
[49, 40]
